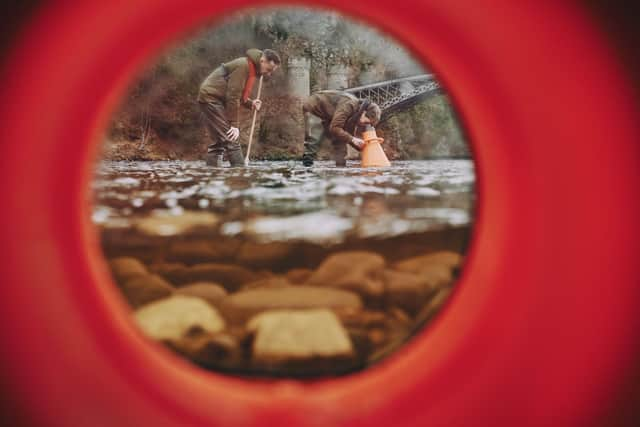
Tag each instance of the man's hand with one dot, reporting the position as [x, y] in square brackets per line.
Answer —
[357, 143]
[256, 103]
[233, 134]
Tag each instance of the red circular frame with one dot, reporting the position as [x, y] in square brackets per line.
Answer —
[542, 329]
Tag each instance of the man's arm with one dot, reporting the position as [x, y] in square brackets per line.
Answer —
[235, 86]
[344, 110]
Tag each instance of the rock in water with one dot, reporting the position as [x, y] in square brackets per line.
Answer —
[241, 306]
[407, 290]
[299, 275]
[168, 270]
[267, 283]
[208, 291]
[173, 318]
[228, 275]
[220, 350]
[142, 289]
[357, 271]
[307, 342]
[191, 251]
[267, 255]
[437, 268]
[416, 264]
[125, 267]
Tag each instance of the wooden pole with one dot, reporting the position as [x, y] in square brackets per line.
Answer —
[253, 125]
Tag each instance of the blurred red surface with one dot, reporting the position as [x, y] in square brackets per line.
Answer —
[543, 329]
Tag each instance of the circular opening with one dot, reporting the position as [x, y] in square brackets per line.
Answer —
[492, 338]
[311, 243]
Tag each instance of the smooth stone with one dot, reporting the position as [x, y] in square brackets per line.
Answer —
[191, 252]
[209, 291]
[228, 275]
[124, 267]
[272, 255]
[407, 290]
[168, 270]
[268, 282]
[358, 271]
[214, 350]
[299, 275]
[305, 342]
[417, 264]
[145, 288]
[242, 305]
[173, 318]
[358, 318]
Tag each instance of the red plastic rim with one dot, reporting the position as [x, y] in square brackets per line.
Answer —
[542, 326]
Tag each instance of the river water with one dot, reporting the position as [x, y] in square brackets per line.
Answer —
[275, 201]
[378, 248]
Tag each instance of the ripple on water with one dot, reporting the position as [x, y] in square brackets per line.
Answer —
[283, 200]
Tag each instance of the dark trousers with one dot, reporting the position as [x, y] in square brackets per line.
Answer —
[315, 132]
[215, 119]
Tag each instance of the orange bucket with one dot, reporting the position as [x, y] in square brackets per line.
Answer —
[373, 155]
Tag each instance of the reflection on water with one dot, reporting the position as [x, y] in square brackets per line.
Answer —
[281, 270]
[272, 201]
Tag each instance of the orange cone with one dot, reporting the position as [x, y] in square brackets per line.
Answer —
[372, 154]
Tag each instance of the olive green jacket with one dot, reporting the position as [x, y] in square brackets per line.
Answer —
[334, 108]
[226, 83]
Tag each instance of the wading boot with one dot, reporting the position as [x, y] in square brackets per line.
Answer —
[307, 161]
[214, 160]
[340, 155]
[235, 157]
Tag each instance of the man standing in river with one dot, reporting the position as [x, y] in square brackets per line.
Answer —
[337, 115]
[222, 93]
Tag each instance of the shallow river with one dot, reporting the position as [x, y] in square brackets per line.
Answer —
[272, 201]
[286, 271]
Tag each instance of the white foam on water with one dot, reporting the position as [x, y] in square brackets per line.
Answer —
[318, 227]
[284, 200]
[127, 181]
[424, 192]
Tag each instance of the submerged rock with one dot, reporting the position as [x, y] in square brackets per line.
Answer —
[437, 268]
[124, 267]
[417, 264]
[208, 291]
[357, 271]
[300, 342]
[361, 318]
[221, 350]
[267, 282]
[173, 318]
[168, 270]
[145, 288]
[271, 255]
[192, 252]
[242, 305]
[228, 275]
[407, 290]
[299, 275]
